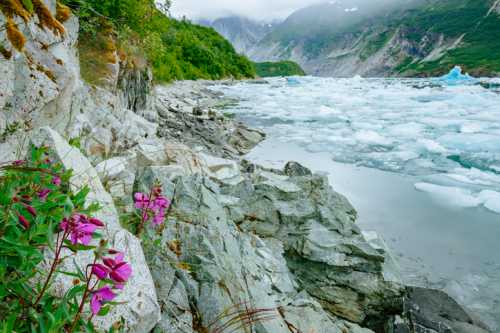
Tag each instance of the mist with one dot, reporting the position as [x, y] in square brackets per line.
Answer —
[270, 10]
[261, 10]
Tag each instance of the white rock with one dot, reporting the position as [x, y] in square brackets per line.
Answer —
[141, 310]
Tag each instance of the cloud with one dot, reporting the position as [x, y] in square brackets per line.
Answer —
[257, 9]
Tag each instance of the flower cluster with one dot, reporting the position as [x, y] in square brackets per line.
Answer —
[113, 271]
[153, 206]
[38, 211]
[80, 228]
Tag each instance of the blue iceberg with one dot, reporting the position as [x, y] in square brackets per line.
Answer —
[455, 77]
[292, 81]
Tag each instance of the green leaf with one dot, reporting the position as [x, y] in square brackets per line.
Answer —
[78, 247]
[104, 310]
[28, 5]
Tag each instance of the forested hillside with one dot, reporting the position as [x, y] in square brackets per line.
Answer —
[389, 38]
[281, 68]
[140, 33]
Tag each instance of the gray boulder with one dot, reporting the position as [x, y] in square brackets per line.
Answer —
[433, 311]
[324, 248]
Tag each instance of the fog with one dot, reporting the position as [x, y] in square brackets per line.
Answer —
[267, 10]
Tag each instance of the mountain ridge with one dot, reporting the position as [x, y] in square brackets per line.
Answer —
[411, 38]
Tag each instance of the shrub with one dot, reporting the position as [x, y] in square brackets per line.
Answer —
[41, 218]
[176, 50]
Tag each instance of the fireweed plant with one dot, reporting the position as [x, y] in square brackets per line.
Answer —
[152, 208]
[40, 215]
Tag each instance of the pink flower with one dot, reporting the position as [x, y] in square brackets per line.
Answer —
[162, 202]
[100, 271]
[102, 295]
[18, 162]
[25, 223]
[83, 233]
[158, 219]
[141, 200]
[80, 228]
[120, 271]
[56, 180]
[43, 194]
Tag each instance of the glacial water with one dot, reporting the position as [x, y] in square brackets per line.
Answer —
[418, 158]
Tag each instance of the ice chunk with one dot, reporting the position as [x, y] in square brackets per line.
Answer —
[454, 196]
[491, 200]
[455, 77]
[372, 137]
[292, 81]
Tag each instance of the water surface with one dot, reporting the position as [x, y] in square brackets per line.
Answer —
[420, 162]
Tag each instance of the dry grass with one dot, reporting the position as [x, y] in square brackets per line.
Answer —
[46, 18]
[14, 35]
[47, 73]
[96, 54]
[63, 12]
[7, 54]
[239, 317]
[11, 8]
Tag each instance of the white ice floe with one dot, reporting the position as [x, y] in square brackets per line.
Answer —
[448, 135]
[461, 197]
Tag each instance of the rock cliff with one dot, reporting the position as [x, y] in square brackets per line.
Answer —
[244, 248]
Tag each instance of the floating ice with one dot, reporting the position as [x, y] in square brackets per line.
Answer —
[455, 77]
[491, 200]
[292, 81]
[460, 197]
[451, 195]
[446, 135]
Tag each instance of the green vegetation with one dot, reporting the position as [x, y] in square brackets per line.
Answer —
[374, 45]
[282, 68]
[141, 34]
[39, 214]
[479, 51]
[419, 27]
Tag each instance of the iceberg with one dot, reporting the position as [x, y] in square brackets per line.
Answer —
[456, 77]
[292, 81]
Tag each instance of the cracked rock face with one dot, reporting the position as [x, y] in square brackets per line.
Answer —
[287, 245]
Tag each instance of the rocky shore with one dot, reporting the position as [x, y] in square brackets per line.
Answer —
[278, 248]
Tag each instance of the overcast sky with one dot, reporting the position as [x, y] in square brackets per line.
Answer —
[256, 9]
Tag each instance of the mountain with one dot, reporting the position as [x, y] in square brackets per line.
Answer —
[388, 38]
[243, 33]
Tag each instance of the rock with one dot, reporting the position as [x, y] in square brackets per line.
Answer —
[324, 248]
[36, 84]
[222, 170]
[187, 115]
[135, 84]
[433, 311]
[243, 139]
[294, 169]
[141, 311]
[219, 269]
[118, 176]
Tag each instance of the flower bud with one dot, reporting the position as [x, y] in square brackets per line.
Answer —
[25, 223]
[31, 210]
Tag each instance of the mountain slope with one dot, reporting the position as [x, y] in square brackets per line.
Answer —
[401, 38]
[137, 33]
[243, 33]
